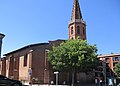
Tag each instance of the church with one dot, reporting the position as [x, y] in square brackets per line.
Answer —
[29, 64]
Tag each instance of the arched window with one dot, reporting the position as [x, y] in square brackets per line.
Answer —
[78, 30]
[72, 30]
[83, 31]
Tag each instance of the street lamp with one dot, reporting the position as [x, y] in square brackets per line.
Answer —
[1, 37]
[104, 70]
[56, 73]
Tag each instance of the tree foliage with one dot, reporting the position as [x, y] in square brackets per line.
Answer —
[75, 55]
[117, 69]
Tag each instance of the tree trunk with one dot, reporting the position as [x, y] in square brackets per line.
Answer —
[73, 77]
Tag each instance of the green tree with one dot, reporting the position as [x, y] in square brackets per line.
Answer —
[74, 55]
[117, 69]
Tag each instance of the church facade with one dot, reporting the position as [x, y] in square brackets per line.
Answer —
[29, 63]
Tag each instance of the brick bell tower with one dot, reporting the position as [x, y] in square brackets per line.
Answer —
[77, 26]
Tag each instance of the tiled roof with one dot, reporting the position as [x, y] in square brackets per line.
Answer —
[28, 46]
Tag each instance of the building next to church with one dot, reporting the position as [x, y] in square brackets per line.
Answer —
[110, 61]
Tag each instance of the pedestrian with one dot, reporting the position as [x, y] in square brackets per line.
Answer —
[96, 81]
[115, 81]
[101, 83]
[110, 82]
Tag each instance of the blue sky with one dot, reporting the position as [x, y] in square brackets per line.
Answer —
[27, 22]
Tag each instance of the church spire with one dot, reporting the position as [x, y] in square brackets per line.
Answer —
[76, 12]
[77, 26]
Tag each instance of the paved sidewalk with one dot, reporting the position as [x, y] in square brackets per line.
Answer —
[60, 85]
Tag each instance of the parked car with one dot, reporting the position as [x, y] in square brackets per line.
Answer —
[4, 81]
